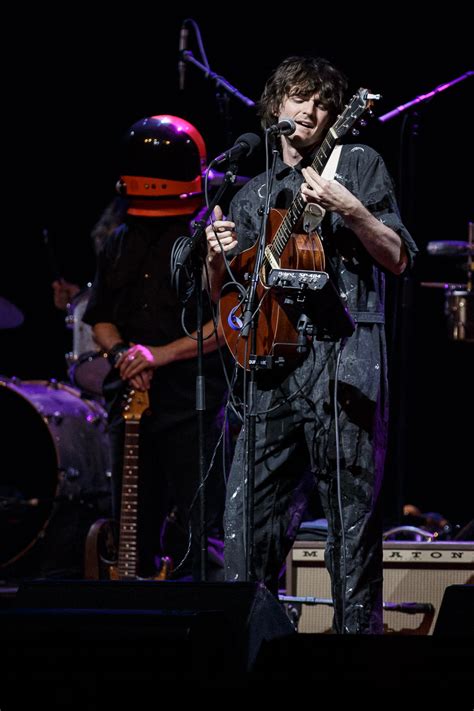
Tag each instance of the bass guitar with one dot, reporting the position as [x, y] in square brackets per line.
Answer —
[103, 558]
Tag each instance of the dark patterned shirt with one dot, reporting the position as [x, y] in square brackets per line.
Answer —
[362, 171]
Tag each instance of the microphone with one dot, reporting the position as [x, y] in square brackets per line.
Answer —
[285, 127]
[245, 145]
[183, 45]
[411, 608]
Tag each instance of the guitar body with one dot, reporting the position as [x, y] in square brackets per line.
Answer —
[101, 552]
[276, 333]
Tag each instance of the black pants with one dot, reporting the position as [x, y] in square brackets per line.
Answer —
[296, 453]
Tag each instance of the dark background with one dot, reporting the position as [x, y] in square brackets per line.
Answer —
[84, 82]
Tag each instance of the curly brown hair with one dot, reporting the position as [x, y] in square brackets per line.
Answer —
[304, 76]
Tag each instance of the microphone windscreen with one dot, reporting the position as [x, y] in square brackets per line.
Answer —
[251, 140]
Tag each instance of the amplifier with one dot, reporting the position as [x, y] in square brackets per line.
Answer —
[415, 573]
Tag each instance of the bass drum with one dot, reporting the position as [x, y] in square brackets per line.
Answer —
[55, 474]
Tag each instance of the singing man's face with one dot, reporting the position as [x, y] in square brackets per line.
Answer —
[311, 119]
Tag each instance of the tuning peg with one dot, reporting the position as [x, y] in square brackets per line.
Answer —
[355, 132]
[363, 122]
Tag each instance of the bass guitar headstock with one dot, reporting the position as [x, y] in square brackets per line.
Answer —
[136, 403]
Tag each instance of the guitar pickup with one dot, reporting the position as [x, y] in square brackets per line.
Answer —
[297, 279]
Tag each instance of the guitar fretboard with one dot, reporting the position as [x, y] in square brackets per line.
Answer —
[358, 104]
[296, 209]
[128, 549]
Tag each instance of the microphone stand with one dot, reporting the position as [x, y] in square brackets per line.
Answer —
[424, 97]
[404, 290]
[194, 249]
[187, 56]
[249, 323]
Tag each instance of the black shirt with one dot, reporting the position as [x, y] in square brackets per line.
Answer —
[132, 289]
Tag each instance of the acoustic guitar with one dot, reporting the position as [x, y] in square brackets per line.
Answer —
[290, 254]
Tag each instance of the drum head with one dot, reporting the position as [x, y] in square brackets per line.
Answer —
[28, 476]
[55, 474]
[89, 372]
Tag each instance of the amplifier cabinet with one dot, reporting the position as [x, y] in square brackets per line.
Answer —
[413, 573]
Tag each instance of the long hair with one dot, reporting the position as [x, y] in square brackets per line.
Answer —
[304, 76]
[110, 219]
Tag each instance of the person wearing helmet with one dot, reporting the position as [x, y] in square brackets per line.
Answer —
[138, 320]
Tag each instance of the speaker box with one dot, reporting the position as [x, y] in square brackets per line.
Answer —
[415, 578]
[356, 666]
[88, 639]
[456, 614]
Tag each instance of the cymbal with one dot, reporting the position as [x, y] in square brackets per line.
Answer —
[450, 248]
[10, 315]
[444, 285]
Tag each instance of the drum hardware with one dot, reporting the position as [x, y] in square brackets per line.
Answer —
[450, 248]
[83, 339]
[459, 298]
[447, 286]
[55, 418]
[13, 503]
[71, 473]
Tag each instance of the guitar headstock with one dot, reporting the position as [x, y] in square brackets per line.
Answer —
[362, 101]
[136, 402]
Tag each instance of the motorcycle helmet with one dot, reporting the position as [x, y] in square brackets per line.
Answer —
[161, 166]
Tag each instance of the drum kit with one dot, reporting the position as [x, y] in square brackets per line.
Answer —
[87, 363]
[459, 297]
[55, 474]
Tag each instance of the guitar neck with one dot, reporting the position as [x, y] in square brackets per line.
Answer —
[359, 103]
[128, 548]
[296, 209]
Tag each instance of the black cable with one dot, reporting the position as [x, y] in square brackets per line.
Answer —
[339, 490]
